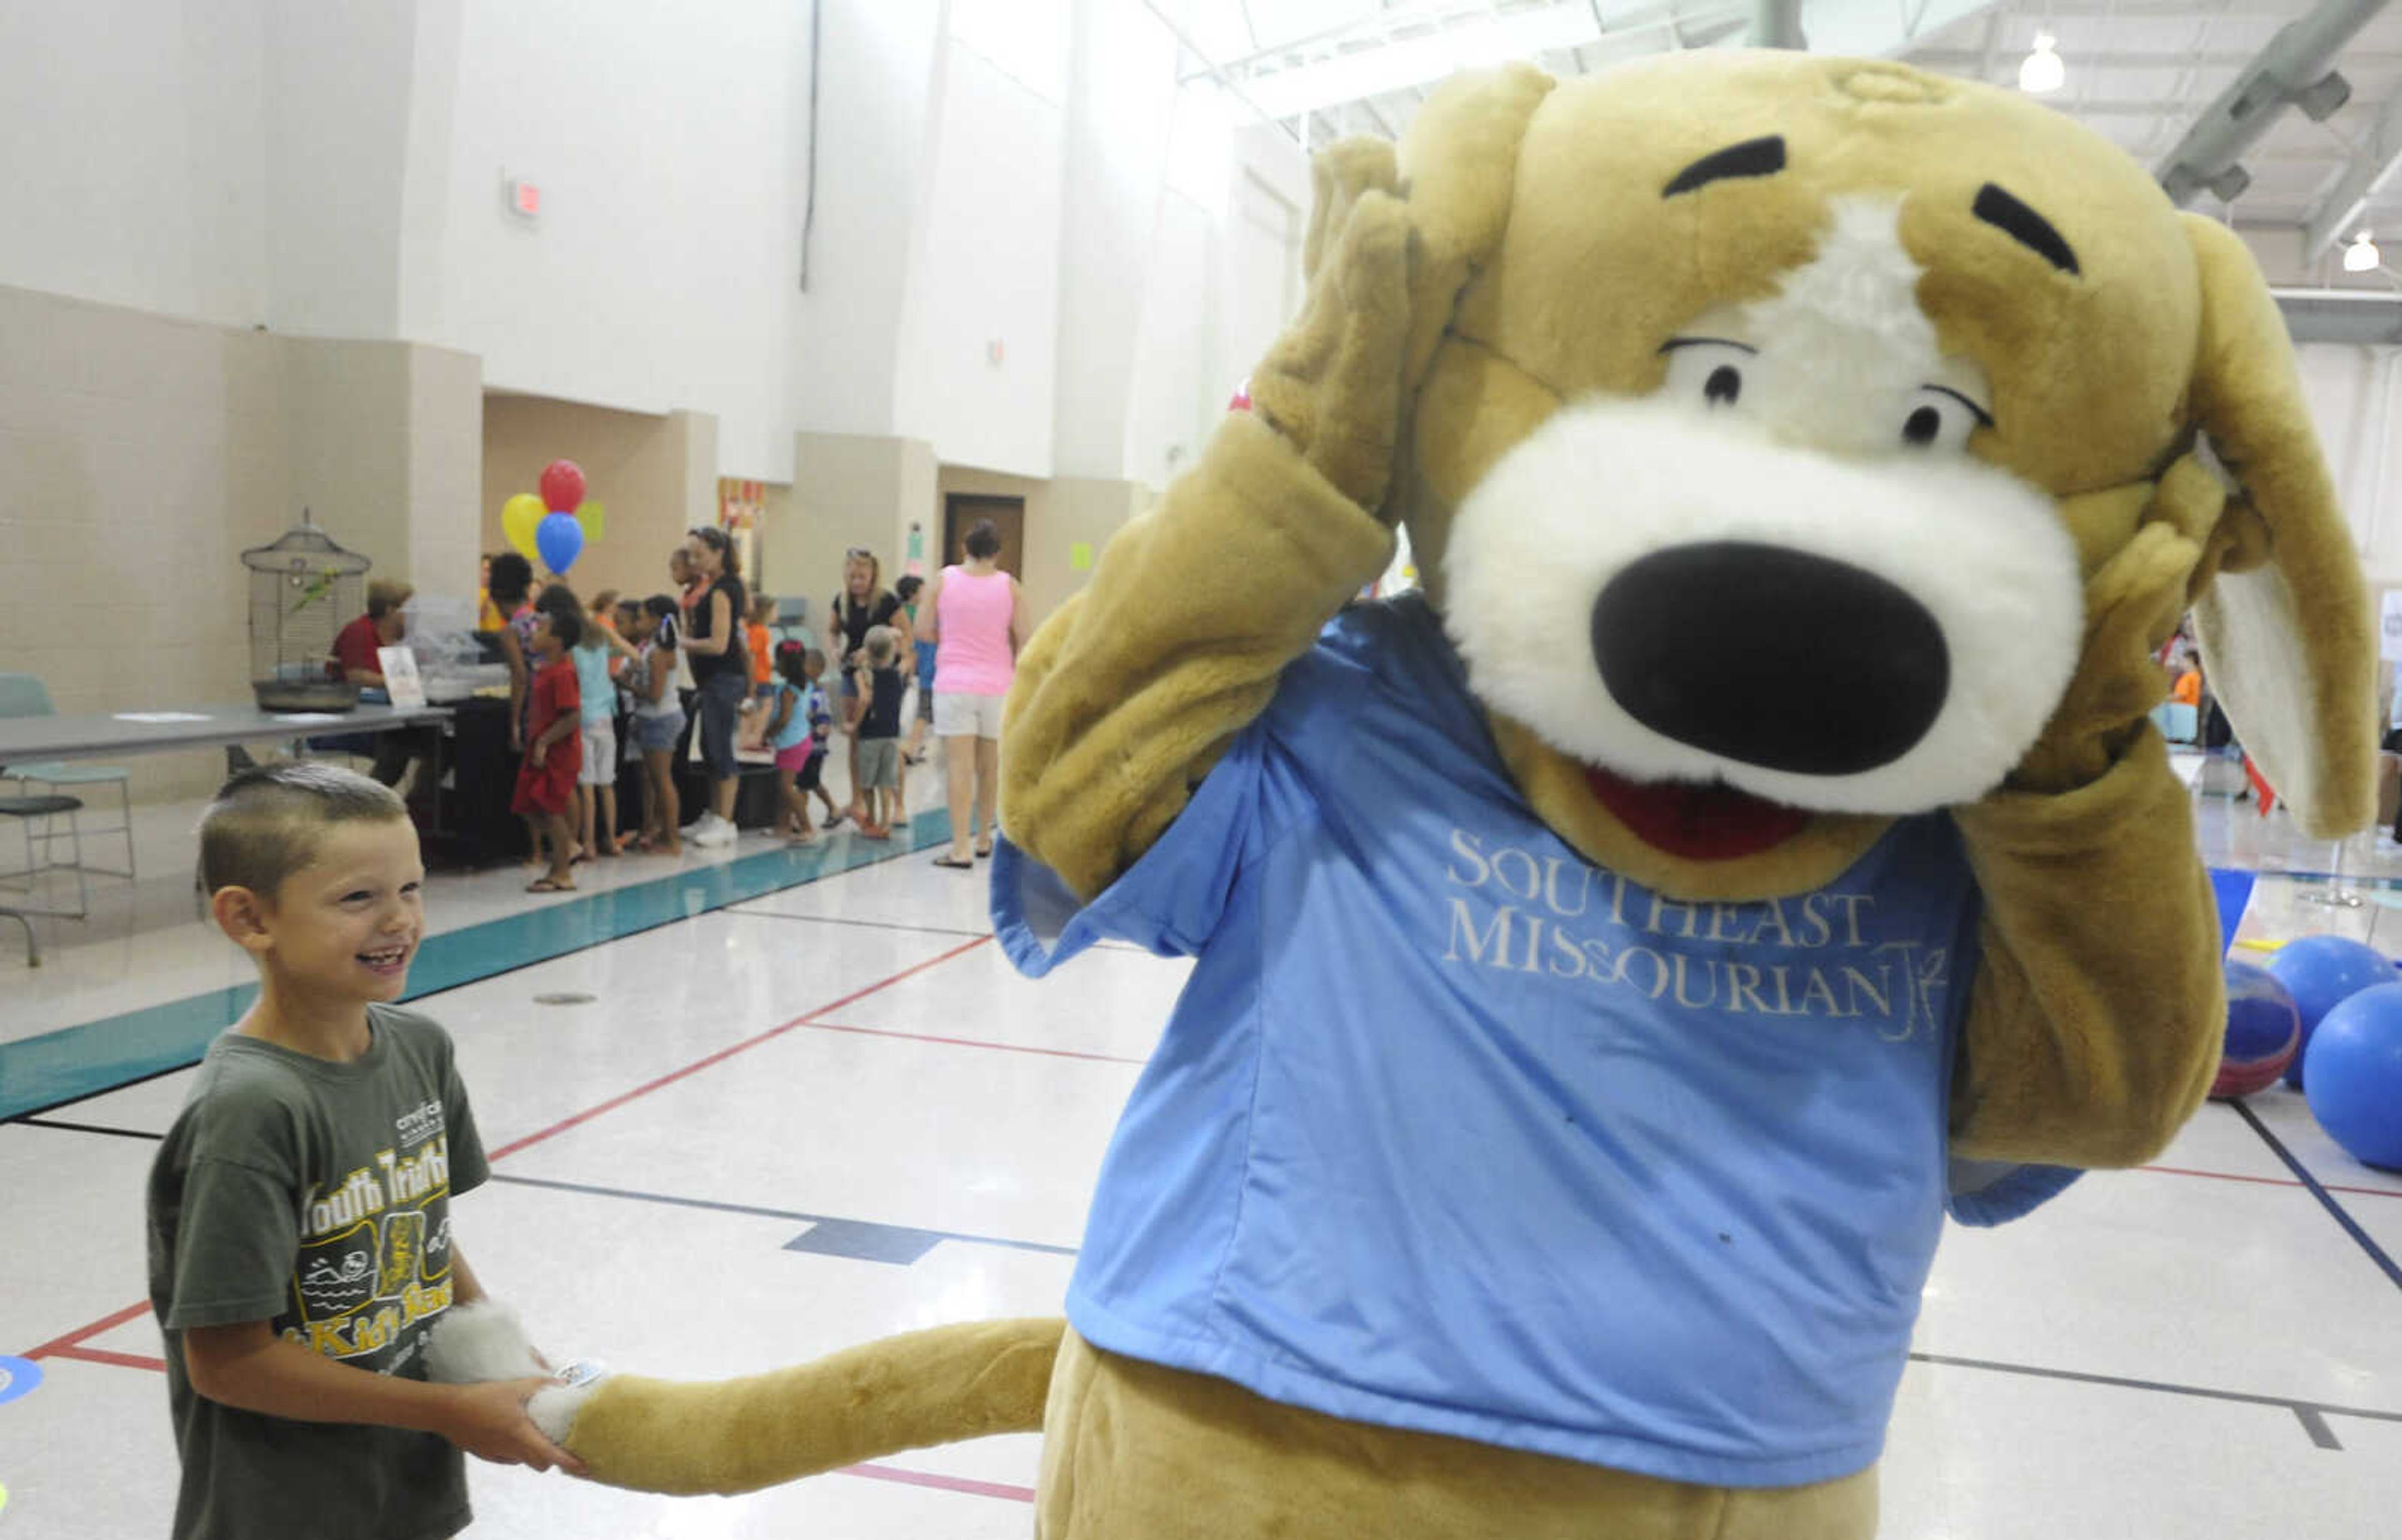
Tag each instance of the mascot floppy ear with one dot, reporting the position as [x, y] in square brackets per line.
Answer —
[1394, 237]
[2282, 610]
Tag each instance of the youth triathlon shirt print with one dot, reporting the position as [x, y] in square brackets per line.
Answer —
[313, 1196]
[1453, 1129]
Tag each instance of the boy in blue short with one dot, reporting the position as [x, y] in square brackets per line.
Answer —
[300, 1210]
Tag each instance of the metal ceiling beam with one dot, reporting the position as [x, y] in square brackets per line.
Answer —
[2365, 174]
[1976, 61]
[2356, 316]
[2296, 69]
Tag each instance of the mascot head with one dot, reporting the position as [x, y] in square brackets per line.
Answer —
[1770, 420]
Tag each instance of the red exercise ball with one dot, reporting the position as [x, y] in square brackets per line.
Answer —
[562, 486]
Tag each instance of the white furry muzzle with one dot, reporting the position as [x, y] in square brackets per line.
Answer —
[1966, 553]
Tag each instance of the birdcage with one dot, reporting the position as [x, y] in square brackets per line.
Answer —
[303, 590]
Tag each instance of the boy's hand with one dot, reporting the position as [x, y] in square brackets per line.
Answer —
[489, 1420]
[541, 752]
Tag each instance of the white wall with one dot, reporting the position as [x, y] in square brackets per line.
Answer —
[132, 155]
[337, 85]
[1118, 126]
[2354, 392]
[663, 269]
[987, 273]
[877, 94]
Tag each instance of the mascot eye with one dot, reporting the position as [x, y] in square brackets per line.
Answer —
[1941, 419]
[1706, 369]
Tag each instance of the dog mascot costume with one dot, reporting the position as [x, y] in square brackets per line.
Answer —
[1612, 962]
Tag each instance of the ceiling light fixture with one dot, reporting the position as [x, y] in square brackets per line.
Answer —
[2041, 71]
[2361, 255]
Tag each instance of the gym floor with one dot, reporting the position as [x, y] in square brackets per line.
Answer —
[761, 1104]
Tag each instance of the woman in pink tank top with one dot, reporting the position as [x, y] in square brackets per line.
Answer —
[970, 616]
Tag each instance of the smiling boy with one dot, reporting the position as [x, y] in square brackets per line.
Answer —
[300, 1209]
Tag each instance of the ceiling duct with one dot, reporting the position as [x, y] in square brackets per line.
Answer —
[2296, 69]
[1777, 24]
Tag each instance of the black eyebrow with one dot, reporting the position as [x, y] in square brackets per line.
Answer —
[1675, 342]
[1752, 157]
[1983, 417]
[2024, 226]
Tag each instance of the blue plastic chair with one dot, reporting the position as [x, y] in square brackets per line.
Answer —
[25, 695]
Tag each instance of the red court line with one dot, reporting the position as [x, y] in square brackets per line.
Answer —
[943, 1483]
[723, 1053]
[59, 1347]
[970, 1043]
[2268, 1181]
[103, 1355]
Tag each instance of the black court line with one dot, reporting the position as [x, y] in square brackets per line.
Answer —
[714, 1206]
[2343, 1215]
[37, 1122]
[2312, 1415]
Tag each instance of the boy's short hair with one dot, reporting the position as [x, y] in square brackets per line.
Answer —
[567, 625]
[604, 602]
[266, 823]
[906, 589]
[883, 645]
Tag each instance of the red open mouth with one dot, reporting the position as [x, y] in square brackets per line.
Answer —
[1707, 823]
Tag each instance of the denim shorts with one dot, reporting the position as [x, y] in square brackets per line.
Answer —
[657, 734]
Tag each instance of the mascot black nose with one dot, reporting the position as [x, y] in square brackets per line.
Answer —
[1771, 656]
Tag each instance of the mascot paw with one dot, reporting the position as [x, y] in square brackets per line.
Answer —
[485, 1342]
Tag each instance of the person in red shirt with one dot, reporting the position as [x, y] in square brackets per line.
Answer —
[554, 746]
[383, 625]
[355, 660]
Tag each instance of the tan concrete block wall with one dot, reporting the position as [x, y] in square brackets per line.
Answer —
[657, 477]
[138, 457]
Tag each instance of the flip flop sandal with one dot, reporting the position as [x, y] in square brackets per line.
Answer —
[953, 864]
[544, 885]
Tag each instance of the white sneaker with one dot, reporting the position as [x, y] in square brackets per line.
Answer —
[715, 831]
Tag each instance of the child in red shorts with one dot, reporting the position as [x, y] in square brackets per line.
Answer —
[554, 744]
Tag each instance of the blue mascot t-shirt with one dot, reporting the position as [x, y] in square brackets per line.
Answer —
[1453, 1129]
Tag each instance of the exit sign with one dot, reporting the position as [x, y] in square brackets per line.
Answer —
[525, 198]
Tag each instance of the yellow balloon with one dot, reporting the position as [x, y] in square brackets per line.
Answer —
[519, 518]
[595, 519]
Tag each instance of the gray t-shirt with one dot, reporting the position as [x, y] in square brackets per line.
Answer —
[315, 1196]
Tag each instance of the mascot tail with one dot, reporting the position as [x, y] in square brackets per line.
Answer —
[730, 1435]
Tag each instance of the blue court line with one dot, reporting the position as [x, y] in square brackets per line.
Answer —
[2343, 1215]
[76, 1062]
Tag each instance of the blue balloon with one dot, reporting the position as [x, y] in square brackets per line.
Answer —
[2355, 1082]
[559, 539]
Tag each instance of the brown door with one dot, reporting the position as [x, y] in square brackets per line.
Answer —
[960, 513]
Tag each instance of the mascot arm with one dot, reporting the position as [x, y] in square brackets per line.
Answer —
[2094, 1015]
[1128, 694]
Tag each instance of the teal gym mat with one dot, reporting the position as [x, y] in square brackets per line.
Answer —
[76, 1062]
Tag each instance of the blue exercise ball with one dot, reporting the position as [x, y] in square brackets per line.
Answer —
[2264, 1032]
[2354, 1080]
[2321, 972]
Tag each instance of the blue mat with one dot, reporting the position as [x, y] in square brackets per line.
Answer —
[76, 1062]
[2234, 891]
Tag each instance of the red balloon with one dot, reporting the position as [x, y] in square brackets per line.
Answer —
[562, 486]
